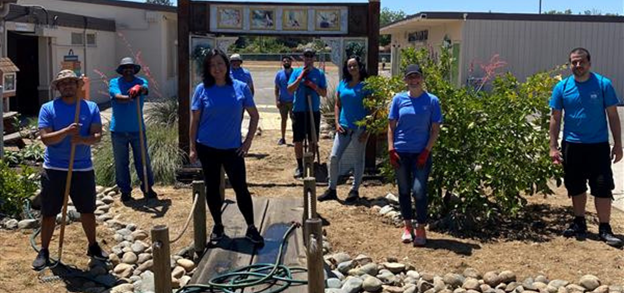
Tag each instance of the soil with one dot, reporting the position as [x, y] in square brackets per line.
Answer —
[529, 246]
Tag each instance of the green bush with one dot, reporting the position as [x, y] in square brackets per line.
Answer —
[31, 154]
[16, 186]
[493, 146]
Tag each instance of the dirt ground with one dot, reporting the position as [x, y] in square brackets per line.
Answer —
[528, 250]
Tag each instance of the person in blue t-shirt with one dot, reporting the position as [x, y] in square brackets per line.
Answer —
[59, 132]
[283, 98]
[413, 128]
[240, 73]
[306, 83]
[349, 109]
[216, 120]
[586, 99]
[124, 128]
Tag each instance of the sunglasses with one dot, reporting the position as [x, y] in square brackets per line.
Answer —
[308, 55]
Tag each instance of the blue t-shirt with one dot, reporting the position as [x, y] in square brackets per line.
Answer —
[300, 102]
[124, 118]
[243, 75]
[351, 101]
[57, 115]
[221, 113]
[584, 104]
[414, 118]
[281, 81]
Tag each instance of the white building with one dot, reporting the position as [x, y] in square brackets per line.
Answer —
[527, 43]
[42, 32]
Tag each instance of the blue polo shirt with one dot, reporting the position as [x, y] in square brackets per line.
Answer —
[583, 105]
[242, 74]
[300, 103]
[281, 81]
[57, 115]
[352, 103]
[221, 113]
[124, 118]
[414, 116]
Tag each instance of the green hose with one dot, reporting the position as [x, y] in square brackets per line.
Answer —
[279, 277]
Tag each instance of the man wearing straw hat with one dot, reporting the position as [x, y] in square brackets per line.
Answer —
[125, 126]
[59, 132]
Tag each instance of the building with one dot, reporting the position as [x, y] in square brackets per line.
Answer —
[527, 43]
[39, 35]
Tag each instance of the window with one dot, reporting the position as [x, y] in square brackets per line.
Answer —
[91, 39]
[76, 39]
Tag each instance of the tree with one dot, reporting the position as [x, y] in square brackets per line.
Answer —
[386, 17]
[567, 12]
[160, 2]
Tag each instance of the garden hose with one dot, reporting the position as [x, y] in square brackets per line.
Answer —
[269, 274]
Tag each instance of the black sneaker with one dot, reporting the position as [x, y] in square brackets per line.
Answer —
[254, 236]
[605, 233]
[577, 229]
[126, 196]
[95, 251]
[281, 141]
[353, 196]
[217, 233]
[42, 260]
[329, 194]
[298, 173]
[151, 194]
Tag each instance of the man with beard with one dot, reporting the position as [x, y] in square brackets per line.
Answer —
[59, 132]
[283, 98]
[587, 100]
[124, 128]
[306, 83]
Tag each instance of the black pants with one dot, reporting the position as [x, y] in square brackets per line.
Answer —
[212, 160]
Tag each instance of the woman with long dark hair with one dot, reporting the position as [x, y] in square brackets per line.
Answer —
[349, 109]
[217, 107]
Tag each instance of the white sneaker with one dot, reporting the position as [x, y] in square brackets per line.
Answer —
[407, 235]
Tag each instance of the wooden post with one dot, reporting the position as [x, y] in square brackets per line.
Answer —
[162, 261]
[199, 217]
[373, 69]
[308, 164]
[309, 191]
[316, 276]
[184, 107]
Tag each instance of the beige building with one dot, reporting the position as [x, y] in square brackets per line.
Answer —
[526, 43]
[43, 32]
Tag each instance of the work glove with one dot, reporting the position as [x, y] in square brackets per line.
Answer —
[311, 85]
[135, 91]
[422, 159]
[395, 160]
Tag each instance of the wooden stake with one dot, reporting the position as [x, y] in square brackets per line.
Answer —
[199, 217]
[162, 261]
[316, 276]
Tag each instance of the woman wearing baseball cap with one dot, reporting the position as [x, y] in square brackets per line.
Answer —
[413, 128]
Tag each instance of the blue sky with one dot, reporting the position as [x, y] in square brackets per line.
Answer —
[524, 6]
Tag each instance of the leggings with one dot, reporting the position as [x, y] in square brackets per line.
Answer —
[212, 160]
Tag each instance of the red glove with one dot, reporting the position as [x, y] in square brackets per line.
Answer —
[134, 91]
[311, 85]
[422, 159]
[395, 160]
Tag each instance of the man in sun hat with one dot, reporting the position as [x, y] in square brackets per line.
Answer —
[240, 73]
[124, 127]
[58, 132]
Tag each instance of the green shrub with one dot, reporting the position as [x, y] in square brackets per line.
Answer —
[493, 146]
[163, 113]
[31, 154]
[16, 186]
